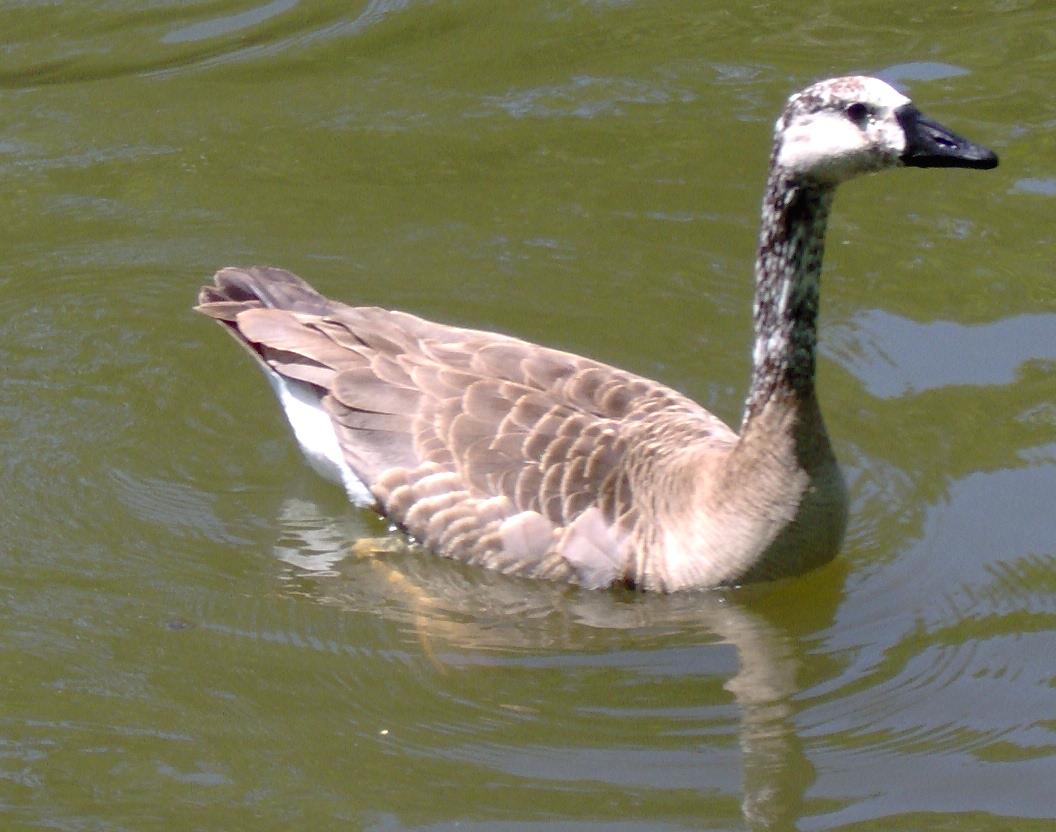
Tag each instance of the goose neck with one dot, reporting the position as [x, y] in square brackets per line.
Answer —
[787, 284]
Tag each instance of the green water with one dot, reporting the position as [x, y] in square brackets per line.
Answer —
[183, 644]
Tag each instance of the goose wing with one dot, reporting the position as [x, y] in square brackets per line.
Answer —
[483, 447]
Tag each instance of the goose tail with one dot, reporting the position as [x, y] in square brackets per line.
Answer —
[230, 300]
[236, 289]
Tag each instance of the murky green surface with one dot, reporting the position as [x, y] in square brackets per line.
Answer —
[182, 645]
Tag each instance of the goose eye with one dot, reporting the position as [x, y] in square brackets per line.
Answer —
[858, 113]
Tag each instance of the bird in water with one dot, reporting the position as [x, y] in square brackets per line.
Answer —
[545, 464]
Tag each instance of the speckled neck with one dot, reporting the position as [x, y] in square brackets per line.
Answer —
[787, 281]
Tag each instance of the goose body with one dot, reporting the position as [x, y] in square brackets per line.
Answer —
[542, 463]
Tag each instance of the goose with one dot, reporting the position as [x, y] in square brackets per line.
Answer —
[545, 464]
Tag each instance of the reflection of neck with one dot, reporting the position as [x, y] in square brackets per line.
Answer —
[787, 280]
[776, 771]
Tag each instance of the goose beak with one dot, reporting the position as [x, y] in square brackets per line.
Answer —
[930, 145]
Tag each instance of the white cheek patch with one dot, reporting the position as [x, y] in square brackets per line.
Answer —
[818, 140]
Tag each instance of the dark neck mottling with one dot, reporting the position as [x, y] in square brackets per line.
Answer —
[787, 281]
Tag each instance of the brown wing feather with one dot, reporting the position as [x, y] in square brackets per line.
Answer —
[485, 448]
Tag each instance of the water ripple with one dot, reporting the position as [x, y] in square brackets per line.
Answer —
[146, 43]
[230, 23]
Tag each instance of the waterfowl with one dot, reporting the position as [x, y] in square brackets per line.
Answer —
[541, 463]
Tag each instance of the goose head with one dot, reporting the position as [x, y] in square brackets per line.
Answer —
[844, 127]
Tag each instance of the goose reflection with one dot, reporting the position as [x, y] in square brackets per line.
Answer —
[466, 619]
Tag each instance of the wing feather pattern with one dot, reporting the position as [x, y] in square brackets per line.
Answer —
[484, 448]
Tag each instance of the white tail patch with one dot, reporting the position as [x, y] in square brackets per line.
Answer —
[315, 434]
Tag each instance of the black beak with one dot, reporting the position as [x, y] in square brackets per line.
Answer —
[930, 145]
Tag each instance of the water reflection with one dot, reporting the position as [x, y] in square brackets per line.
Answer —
[469, 621]
[895, 356]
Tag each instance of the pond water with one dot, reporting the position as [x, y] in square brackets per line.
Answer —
[186, 641]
